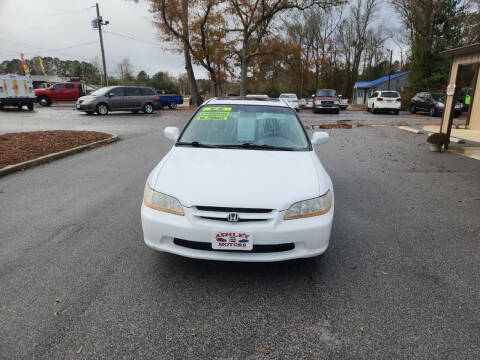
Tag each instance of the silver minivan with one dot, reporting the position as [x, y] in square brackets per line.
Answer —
[120, 98]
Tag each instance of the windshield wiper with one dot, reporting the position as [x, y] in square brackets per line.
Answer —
[194, 144]
[256, 147]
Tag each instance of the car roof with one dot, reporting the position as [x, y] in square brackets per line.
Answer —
[240, 100]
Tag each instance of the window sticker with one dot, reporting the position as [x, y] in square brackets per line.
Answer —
[214, 113]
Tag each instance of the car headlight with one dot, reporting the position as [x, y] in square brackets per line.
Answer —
[440, 104]
[458, 106]
[312, 207]
[158, 201]
[317, 102]
[336, 102]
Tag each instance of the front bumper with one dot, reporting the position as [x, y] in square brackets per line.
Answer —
[310, 236]
[85, 107]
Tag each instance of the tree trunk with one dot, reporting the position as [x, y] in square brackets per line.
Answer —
[194, 94]
[244, 71]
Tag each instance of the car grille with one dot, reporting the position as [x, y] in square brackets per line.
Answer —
[328, 103]
[197, 245]
[221, 213]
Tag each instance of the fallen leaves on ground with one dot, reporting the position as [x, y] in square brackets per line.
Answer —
[170, 339]
[362, 329]
[56, 313]
[57, 300]
[375, 275]
[193, 334]
[266, 351]
[3, 308]
[19, 147]
[80, 349]
[354, 267]
[384, 273]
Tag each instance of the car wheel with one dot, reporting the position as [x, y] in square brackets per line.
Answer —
[102, 109]
[1, 106]
[432, 111]
[337, 112]
[396, 112]
[413, 109]
[30, 107]
[20, 107]
[373, 109]
[44, 101]
[172, 105]
[148, 108]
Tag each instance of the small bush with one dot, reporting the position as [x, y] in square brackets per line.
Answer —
[438, 138]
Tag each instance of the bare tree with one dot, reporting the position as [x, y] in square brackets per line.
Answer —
[124, 70]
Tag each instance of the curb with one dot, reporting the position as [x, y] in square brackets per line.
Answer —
[58, 155]
[428, 133]
[410, 130]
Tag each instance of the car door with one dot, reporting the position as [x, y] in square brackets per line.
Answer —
[70, 93]
[58, 92]
[371, 100]
[116, 99]
[133, 97]
[421, 101]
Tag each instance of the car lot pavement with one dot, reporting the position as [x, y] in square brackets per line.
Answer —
[70, 230]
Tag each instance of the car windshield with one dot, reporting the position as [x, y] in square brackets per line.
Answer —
[438, 97]
[102, 91]
[245, 126]
[326, 93]
[288, 96]
[390, 94]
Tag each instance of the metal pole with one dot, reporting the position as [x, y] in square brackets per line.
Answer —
[99, 22]
[390, 69]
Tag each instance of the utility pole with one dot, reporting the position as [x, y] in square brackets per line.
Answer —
[390, 69]
[97, 23]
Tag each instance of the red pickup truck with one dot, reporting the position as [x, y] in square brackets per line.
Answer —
[64, 91]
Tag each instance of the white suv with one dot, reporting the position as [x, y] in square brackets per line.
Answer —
[384, 100]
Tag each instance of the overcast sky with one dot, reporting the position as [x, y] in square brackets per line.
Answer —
[36, 26]
[58, 27]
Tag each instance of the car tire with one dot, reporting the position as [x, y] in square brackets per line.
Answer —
[30, 107]
[44, 101]
[432, 112]
[20, 107]
[1, 106]
[337, 112]
[396, 112]
[373, 109]
[102, 109]
[413, 109]
[172, 105]
[148, 108]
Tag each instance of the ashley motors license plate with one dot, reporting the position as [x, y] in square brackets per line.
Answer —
[232, 241]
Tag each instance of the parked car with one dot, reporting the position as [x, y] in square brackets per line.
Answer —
[384, 100]
[16, 90]
[119, 98]
[433, 103]
[258, 214]
[290, 99]
[64, 91]
[308, 103]
[343, 102]
[170, 100]
[326, 100]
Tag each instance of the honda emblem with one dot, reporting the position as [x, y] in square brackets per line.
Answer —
[232, 217]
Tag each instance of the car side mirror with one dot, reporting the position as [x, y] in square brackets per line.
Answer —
[111, 94]
[313, 95]
[319, 137]
[172, 133]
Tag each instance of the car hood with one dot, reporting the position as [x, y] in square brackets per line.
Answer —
[87, 98]
[239, 178]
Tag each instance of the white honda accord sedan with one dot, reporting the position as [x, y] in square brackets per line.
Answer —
[241, 183]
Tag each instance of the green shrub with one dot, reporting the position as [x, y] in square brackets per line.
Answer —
[439, 139]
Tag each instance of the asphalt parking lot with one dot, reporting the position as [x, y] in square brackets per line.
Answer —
[400, 279]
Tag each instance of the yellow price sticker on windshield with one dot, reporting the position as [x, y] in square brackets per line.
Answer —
[214, 113]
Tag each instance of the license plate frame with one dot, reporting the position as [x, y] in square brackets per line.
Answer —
[232, 240]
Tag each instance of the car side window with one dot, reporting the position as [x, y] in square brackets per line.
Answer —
[58, 86]
[374, 95]
[69, 86]
[117, 91]
[146, 91]
[132, 91]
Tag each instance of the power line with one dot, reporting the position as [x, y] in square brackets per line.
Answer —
[132, 38]
[53, 50]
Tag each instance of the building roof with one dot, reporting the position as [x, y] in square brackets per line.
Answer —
[468, 49]
[381, 80]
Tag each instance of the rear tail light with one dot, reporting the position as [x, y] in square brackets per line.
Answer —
[294, 101]
[399, 99]
[379, 99]
[157, 97]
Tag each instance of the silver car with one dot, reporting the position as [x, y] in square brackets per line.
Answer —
[120, 98]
